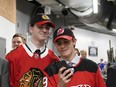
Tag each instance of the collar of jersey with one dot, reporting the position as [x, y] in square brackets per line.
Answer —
[75, 60]
[33, 48]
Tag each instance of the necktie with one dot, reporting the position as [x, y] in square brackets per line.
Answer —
[70, 64]
[37, 53]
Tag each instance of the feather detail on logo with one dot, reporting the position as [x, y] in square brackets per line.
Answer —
[45, 17]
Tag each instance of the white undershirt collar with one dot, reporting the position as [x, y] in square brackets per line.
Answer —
[33, 48]
[75, 60]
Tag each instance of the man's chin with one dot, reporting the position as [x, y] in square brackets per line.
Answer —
[64, 55]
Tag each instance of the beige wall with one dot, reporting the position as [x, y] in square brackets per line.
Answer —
[8, 10]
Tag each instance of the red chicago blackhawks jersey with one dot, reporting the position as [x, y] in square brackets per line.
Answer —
[86, 74]
[27, 69]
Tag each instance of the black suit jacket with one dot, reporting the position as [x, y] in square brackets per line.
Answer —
[111, 76]
[4, 73]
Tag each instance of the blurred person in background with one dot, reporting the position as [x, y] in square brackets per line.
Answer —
[83, 54]
[18, 39]
[101, 65]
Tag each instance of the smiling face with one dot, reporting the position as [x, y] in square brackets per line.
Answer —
[40, 33]
[65, 48]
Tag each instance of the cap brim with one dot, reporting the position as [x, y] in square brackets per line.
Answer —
[63, 37]
[46, 22]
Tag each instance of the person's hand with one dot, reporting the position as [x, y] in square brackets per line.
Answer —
[64, 76]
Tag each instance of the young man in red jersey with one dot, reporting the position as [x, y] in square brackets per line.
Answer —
[81, 72]
[27, 62]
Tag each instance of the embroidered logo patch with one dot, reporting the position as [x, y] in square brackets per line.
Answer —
[60, 31]
[45, 17]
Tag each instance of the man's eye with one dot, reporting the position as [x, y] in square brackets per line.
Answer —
[26, 76]
[58, 43]
[47, 27]
[66, 41]
[42, 27]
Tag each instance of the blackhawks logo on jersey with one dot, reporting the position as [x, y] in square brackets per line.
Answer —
[32, 78]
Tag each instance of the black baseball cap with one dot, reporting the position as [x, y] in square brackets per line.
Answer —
[63, 32]
[41, 19]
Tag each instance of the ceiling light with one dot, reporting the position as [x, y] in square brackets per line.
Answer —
[47, 10]
[114, 30]
[82, 13]
[95, 6]
[60, 4]
[111, 0]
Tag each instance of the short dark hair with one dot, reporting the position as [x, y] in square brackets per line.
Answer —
[77, 51]
[101, 59]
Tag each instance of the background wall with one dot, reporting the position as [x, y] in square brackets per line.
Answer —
[101, 41]
[7, 22]
[24, 10]
[7, 30]
[8, 9]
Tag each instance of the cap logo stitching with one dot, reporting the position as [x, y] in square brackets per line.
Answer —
[45, 17]
[60, 31]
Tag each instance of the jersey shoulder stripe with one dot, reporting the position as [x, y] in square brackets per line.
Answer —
[87, 65]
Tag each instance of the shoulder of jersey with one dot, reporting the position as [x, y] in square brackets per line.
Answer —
[13, 50]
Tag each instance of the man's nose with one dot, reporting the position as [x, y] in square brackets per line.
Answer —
[62, 44]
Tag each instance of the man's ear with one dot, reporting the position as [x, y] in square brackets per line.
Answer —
[74, 41]
[30, 29]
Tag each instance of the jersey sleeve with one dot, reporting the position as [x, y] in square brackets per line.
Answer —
[12, 69]
[99, 80]
[53, 56]
[52, 81]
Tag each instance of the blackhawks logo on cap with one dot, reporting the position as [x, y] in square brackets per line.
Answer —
[45, 17]
[60, 31]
